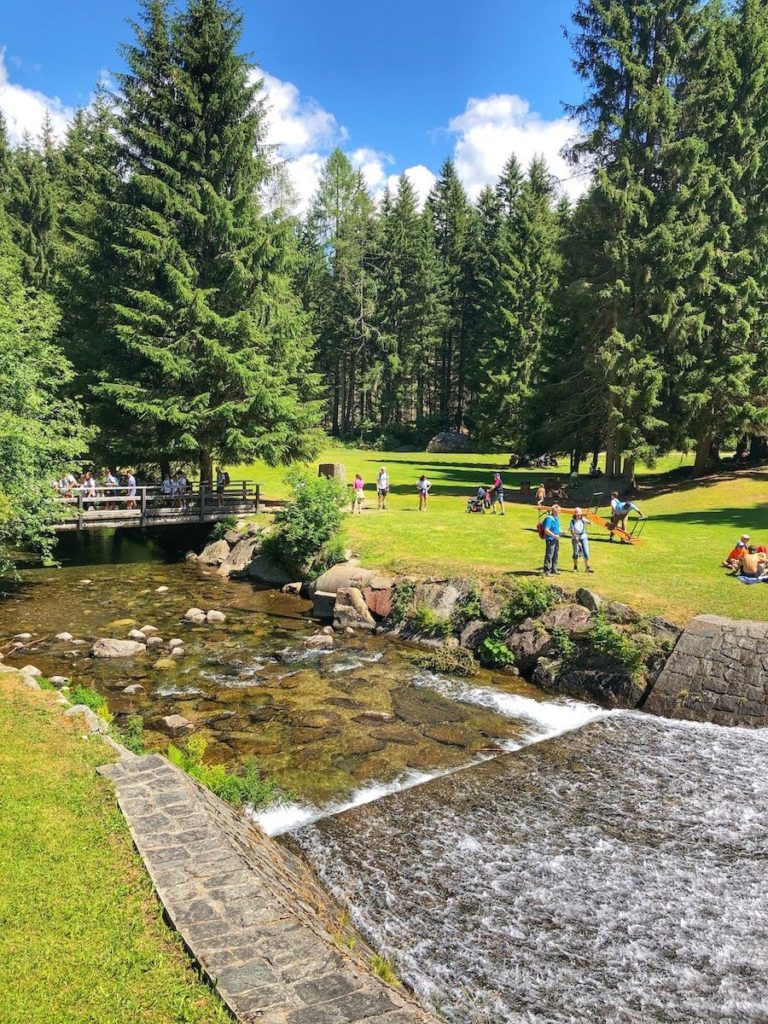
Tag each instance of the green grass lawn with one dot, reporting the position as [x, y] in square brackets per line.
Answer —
[675, 571]
[82, 940]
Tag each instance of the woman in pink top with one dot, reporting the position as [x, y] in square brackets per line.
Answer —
[357, 494]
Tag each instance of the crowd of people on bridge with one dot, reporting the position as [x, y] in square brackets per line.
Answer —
[121, 489]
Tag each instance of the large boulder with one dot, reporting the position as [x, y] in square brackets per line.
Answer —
[322, 604]
[344, 574]
[174, 725]
[379, 601]
[351, 610]
[214, 553]
[528, 643]
[332, 470]
[108, 647]
[440, 598]
[267, 570]
[241, 556]
[589, 599]
[450, 441]
[573, 619]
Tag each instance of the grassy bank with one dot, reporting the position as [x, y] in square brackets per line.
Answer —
[675, 571]
[81, 934]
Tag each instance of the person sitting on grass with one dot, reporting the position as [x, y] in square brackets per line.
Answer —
[731, 561]
[578, 531]
[751, 563]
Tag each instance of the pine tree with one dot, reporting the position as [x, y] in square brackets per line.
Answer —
[210, 344]
[31, 205]
[632, 56]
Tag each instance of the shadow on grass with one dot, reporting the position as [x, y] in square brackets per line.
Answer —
[744, 519]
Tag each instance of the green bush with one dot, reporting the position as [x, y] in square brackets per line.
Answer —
[85, 695]
[564, 645]
[468, 609]
[457, 661]
[223, 527]
[310, 520]
[131, 734]
[246, 787]
[330, 554]
[44, 684]
[402, 599]
[494, 652]
[426, 621]
[530, 599]
[630, 651]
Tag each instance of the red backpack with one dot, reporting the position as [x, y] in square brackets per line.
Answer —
[540, 529]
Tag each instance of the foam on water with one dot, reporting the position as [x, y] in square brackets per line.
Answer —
[550, 717]
[615, 875]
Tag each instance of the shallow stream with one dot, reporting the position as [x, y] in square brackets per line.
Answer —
[522, 860]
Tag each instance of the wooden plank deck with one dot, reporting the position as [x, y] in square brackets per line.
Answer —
[115, 508]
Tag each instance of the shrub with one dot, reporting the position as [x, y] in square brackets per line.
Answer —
[530, 599]
[631, 652]
[564, 645]
[131, 734]
[427, 621]
[44, 684]
[331, 553]
[245, 787]
[457, 661]
[402, 598]
[309, 520]
[494, 652]
[223, 527]
[85, 695]
[382, 967]
[469, 609]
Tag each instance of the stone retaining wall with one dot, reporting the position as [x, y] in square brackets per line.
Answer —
[718, 672]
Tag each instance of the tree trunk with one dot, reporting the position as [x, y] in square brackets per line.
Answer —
[165, 468]
[701, 462]
[758, 448]
[629, 468]
[206, 467]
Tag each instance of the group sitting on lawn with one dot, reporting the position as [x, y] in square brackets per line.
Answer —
[748, 562]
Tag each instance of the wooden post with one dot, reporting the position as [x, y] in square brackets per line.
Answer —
[202, 502]
[80, 510]
[258, 495]
[245, 491]
[143, 503]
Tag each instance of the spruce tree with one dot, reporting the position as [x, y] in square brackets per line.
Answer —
[32, 208]
[210, 344]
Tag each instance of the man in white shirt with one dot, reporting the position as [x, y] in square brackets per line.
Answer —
[382, 487]
[130, 483]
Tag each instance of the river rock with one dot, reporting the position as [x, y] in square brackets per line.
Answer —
[240, 557]
[363, 745]
[175, 642]
[528, 643]
[17, 645]
[165, 664]
[162, 590]
[107, 647]
[92, 721]
[30, 670]
[174, 725]
[397, 734]
[492, 603]
[177, 652]
[215, 616]
[439, 598]
[374, 718]
[547, 672]
[148, 630]
[266, 570]
[194, 615]
[450, 735]
[293, 588]
[474, 633]
[351, 610]
[425, 707]
[345, 702]
[450, 441]
[318, 642]
[136, 634]
[315, 719]
[30, 683]
[618, 612]
[589, 599]
[233, 537]
[133, 689]
[214, 553]
[191, 556]
[58, 681]
[379, 601]
[154, 641]
[23, 636]
[343, 574]
[574, 619]
[64, 637]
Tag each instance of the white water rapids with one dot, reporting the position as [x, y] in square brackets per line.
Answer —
[615, 874]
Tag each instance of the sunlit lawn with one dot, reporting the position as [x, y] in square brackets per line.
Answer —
[82, 939]
[674, 571]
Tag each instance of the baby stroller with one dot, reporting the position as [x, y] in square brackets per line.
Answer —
[480, 502]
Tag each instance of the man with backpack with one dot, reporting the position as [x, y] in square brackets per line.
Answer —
[550, 531]
[222, 482]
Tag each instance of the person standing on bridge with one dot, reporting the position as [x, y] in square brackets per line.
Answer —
[130, 486]
[551, 532]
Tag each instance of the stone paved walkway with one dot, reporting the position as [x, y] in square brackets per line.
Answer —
[250, 911]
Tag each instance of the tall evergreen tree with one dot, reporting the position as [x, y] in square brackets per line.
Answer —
[32, 208]
[210, 345]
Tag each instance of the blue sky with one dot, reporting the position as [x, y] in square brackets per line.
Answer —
[399, 86]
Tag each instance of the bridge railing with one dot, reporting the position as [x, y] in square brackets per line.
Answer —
[147, 502]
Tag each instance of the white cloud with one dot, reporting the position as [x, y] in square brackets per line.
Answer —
[420, 177]
[374, 165]
[24, 109]
[297, 125]
[491, 129]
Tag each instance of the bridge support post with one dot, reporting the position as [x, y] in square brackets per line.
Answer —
[80, 510]
[143, 504]
[202, 502]
[258, 495]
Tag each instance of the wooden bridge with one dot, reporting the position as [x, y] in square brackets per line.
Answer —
[142, 506]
